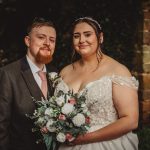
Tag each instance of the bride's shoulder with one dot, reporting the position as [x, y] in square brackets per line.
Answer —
[66, 70]
[118, 68]
[69, 69]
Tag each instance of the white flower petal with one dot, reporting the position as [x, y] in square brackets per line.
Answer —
[78, 120]
[67, 108]
[61, 137]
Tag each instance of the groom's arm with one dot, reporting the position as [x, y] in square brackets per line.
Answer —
[5, 109]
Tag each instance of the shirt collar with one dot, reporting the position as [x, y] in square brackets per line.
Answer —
[33, 67]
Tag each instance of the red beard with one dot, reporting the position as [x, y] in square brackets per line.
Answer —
[43, 58]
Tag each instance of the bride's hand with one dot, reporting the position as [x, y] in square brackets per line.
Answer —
[79, 140]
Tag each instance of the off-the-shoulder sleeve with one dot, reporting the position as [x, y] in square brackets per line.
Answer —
[125, 81]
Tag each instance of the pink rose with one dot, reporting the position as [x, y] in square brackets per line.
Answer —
[87, 120]
[62, 117]
[44, 130]
[72, 101]
[69, 137]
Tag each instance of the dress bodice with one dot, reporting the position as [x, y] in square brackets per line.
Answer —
[99, 98]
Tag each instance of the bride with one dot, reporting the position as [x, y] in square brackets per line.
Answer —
[111, 92]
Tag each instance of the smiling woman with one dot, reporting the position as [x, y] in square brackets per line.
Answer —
[85, 42]
[109, 88]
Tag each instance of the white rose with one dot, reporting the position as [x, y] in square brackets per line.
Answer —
[50, 122]
[61, 137]
[41, 120]
[51, 129]
[60, 100]
[78, 120]
[53, 75]
[49, 112]
[67, 108]
[50, 126]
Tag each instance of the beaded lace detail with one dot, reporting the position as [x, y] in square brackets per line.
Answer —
[99, 98]
[127, 81]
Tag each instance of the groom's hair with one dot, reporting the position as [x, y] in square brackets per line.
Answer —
[39, 22]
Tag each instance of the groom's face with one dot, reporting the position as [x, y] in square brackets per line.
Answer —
[41, 44]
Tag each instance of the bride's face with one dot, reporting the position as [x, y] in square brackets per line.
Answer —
[85, 41]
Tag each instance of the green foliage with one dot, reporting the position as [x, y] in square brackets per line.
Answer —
[48, 140]
[144, 138]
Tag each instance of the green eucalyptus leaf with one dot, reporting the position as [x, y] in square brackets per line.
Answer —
[48, 141]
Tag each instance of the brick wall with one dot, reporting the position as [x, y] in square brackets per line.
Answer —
[144, 75]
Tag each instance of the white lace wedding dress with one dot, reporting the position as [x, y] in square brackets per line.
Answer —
[100, 104]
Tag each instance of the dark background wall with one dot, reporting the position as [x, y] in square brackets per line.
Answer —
[118, 18]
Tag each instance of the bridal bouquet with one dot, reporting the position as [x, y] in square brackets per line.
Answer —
[64, 116]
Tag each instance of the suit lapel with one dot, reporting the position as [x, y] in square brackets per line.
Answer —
[50, 87]
[29, 80]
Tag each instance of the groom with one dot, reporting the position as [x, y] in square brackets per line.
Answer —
[19, 82]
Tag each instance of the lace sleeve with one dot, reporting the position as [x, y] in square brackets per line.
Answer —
[125, 81]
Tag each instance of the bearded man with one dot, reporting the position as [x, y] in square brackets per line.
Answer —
[20, 81]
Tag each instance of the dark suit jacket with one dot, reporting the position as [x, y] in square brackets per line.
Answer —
[17, 86]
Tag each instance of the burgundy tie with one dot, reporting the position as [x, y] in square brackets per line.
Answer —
[44, 83]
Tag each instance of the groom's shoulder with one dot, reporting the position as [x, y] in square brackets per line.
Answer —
[12, 65]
